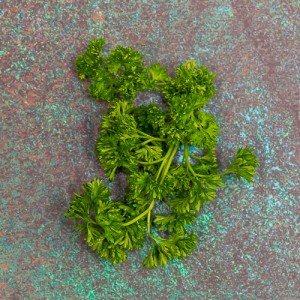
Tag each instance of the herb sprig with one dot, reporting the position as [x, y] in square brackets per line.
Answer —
[142, 142]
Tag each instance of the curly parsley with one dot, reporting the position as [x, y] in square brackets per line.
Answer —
[142, 142]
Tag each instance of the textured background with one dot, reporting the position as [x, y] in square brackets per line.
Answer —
[248, 239]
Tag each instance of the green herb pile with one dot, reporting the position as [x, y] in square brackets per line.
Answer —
[142, 142]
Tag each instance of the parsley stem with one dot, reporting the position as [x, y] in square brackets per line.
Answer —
[195, 156]
[150, 162]
[169, 161]
[228, 171]
[141, 215]
[151, 140]
[147, 135]
[163, 163]
[149, 224]
[223, 173]
[188, 163]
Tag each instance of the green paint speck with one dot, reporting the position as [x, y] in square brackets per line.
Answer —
[284, 22]
[3, 52]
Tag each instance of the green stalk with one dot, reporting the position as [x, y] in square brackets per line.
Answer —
[148, 137]
[187, 161]
[151, 139]
[188, 164]
[150, 162]
[195, 156]
[141, 215]
[165, 160]
[228, 171]
[149, 226]
[165, 165]
[169, 162]
[145, 134]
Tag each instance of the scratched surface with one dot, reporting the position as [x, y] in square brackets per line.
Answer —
[248, 239]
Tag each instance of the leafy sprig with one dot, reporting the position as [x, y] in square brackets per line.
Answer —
[142, 142]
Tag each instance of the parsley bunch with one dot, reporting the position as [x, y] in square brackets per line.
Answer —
[142, 142]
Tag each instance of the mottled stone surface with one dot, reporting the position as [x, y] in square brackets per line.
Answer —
[248, 239]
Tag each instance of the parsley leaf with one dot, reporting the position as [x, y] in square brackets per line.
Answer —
[244, 164]
[102, 222]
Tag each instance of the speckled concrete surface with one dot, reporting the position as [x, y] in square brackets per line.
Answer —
[248, 239]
